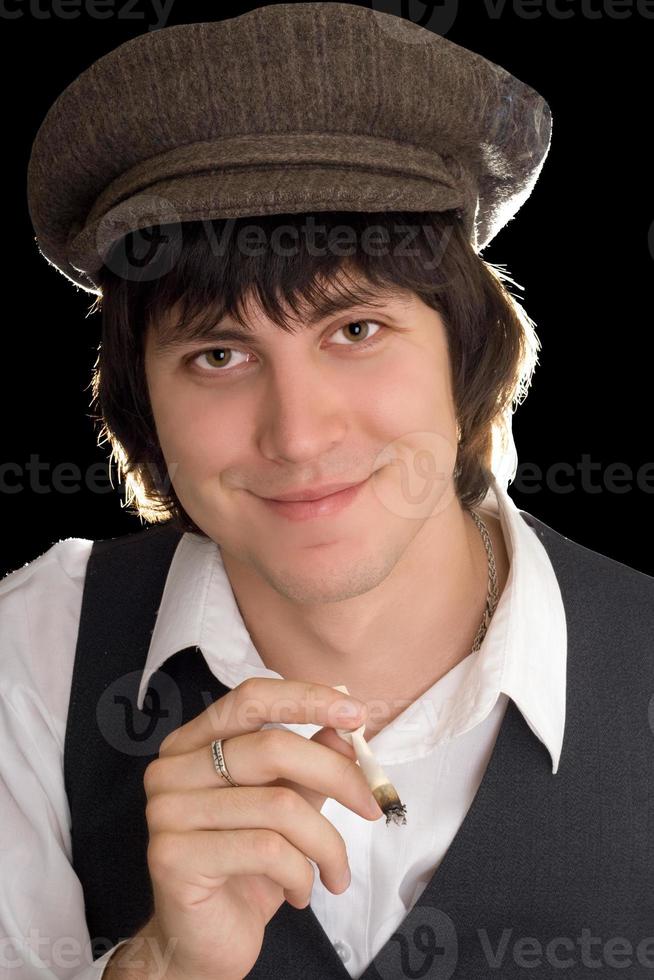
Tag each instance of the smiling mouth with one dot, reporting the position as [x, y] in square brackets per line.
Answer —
[331, 503]
[299, 496]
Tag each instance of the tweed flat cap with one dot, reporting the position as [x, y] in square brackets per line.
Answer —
[293, 107]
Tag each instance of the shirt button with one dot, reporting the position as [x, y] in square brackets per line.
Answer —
[343, 950]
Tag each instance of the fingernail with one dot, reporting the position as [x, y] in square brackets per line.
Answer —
[348, 709]
[374, 808]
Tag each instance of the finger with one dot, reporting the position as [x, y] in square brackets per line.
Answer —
[329, 738]
[259, 758]
[185, 862]
[256, 701]
[274, 808]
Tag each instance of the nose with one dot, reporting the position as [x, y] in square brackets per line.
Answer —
[304, 415]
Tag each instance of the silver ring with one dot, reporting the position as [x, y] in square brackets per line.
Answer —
[219, 761]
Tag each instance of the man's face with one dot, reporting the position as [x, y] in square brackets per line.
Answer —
[362, 395]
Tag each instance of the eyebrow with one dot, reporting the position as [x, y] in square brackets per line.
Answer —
[169, 344]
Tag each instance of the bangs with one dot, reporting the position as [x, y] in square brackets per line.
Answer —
[213, 273]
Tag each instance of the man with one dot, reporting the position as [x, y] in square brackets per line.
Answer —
[483, 644]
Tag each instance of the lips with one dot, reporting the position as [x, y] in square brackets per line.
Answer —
[313, 493]
[302, 510]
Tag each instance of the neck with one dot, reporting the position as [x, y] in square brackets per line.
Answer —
[390, 644]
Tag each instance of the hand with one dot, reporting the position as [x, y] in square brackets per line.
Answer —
[222, 859]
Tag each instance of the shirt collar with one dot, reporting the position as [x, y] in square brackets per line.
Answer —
[523, 654]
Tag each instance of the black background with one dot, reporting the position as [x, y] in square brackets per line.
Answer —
[580, 248]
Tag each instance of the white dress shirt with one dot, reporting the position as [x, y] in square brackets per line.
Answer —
[435, 752]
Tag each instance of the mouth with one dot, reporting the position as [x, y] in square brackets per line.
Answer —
[326, 506]
[313, 493]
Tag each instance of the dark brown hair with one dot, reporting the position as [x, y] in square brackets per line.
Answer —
[491, 341]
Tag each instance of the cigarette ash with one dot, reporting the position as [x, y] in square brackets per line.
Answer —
[390, 804]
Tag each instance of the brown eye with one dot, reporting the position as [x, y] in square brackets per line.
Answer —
[359, 333]
[221, 359]
[216, 357]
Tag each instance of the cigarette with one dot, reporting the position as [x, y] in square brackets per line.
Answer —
[380, 785]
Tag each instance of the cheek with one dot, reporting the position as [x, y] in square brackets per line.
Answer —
[417, 423]
[203, 438]
[416, 392]
[190, 427]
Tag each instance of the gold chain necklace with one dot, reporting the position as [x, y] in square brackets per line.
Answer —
[492, 597]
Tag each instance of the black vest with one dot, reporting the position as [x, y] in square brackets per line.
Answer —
[548, 876]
